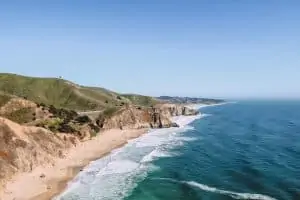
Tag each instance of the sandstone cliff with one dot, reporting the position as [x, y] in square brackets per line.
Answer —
[132, 117]
[23, 148]
[176, 110]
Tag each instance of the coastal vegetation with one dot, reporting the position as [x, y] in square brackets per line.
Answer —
[64, 94]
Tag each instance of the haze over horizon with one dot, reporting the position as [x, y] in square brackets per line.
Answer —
[245, 49]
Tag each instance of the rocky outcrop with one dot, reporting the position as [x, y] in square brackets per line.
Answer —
[176, 110]
[131, 117]
[134, 118]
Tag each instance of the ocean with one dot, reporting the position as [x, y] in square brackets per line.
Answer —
[243, 150]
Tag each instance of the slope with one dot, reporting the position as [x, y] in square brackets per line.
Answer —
[62, 93]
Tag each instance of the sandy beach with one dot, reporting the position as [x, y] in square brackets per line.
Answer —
[43, 183]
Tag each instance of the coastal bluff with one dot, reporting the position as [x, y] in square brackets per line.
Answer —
[159, 116]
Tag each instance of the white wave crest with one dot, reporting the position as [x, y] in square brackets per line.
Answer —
[156, 154]
[235, 195]
[187, 139]
[185, 120]
[118, 167]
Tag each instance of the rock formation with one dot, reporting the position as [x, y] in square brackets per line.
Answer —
[131, 117]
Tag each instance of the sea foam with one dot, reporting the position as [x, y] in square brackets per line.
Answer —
[117, 174]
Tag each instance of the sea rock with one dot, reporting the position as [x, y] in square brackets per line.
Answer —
[186, 111]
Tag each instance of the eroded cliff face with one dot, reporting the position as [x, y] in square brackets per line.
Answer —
[159, 116]
[134, 118]
[23, 148]
[176, 110]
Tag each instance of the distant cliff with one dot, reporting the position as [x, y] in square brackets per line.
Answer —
[132, 117]
[189, 100]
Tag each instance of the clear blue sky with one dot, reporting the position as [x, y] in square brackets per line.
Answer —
[247, 48]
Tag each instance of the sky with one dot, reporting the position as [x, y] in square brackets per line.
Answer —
[223, 49]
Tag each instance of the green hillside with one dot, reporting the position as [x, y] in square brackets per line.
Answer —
[140, 99]
[64, 94]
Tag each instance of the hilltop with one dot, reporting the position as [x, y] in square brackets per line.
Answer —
[65, 94]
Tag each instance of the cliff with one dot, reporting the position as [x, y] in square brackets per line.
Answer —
[172, 110]
[23, 148]
[132, 117]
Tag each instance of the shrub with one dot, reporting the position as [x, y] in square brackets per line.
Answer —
[52, 124]
[94, 133]
[83, 119]
[100, 121]
[66, 128]
[4, 99]
[94, 127]
[23, 115]
[42, 104]
[109, 111]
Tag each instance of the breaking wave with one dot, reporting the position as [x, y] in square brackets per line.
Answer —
[115, 175]
[235, 195]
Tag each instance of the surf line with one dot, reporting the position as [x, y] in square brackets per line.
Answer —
[235, 195]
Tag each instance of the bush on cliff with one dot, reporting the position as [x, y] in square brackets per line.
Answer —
[4, 99]
[23, 115]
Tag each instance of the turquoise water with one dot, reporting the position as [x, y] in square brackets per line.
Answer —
[247, 150]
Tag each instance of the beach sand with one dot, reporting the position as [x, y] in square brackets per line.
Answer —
[44, 183]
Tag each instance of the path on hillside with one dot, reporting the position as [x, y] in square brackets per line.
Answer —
[91, 112]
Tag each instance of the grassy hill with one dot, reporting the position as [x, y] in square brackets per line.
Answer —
[140, 99]
[64, 94]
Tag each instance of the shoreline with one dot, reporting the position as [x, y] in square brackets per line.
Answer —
[56, 178]
[48, 182]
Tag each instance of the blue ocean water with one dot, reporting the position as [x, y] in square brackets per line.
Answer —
[245, 150]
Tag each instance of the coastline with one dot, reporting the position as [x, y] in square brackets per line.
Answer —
[128, 162]
[47, 182]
